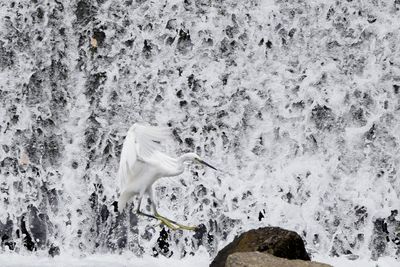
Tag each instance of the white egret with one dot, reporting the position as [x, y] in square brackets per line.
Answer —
[142, 163]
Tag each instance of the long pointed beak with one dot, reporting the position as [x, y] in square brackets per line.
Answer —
[205, 163]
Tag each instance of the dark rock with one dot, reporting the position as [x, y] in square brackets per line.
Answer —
[268, 44]
[358, 116]
[192, 81]
[224, 79]
[187, 4]
[367, 100]
[231, 31]
[179, 94]
[371, 133]
[323, 117]
[104, 213]
[133, 219]
[38, 227]
[93, 89]
[228, 47]
[379, 240]
[361, 214]
[256, 259]
[27, 239]
[128, 2]
[273, 240]
[298, 105]
[222, 113]
[162, 246]
[6, 233]
[371, 19]
[184, 44]
[183, 103]
[115, 206]
[118, 235]
[170, 40]
[53, 199]
[385, 235]
[93, 200]
[34, 90]
[176, 133]
[189, 142]
[7, 56]
[200, 232]
[159, 98]
[5, 148]
[260, 216]
[129, 43]
[9, 165]
[396, 88]
[43, 149]
[54, 250]
[84, 12]
[208, 42]
[75, 165]
[171, 24]
[292, 32]
[100, 36]
[196, 86]
[147, 48]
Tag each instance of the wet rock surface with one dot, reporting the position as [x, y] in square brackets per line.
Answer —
[271, 240]
[256, 259]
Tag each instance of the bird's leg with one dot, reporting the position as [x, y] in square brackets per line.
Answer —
[168, 222]
[165, 221]
[179, 226]
[138, 211]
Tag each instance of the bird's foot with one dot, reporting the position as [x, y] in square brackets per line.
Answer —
[174, 225]
[167, 222]
[185, 227]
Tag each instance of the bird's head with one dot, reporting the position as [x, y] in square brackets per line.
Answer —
[198, 159]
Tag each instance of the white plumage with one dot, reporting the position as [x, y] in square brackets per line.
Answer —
[142, 163]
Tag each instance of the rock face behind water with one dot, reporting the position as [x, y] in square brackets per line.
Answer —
[273, 240]
[300, 100]
[257, 259]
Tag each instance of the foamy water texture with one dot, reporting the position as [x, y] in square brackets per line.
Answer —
[297, 102]
[100, 260]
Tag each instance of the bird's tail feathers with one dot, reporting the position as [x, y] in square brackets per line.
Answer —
[123, 199]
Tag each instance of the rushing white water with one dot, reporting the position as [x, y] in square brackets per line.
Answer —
[297, 102]
[97, 260]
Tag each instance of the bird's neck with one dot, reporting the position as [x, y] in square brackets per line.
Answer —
[186, 157]
[182, 159]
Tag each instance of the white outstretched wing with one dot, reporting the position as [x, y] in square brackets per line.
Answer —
[141, 143]
[127, 160]
[148, 140]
